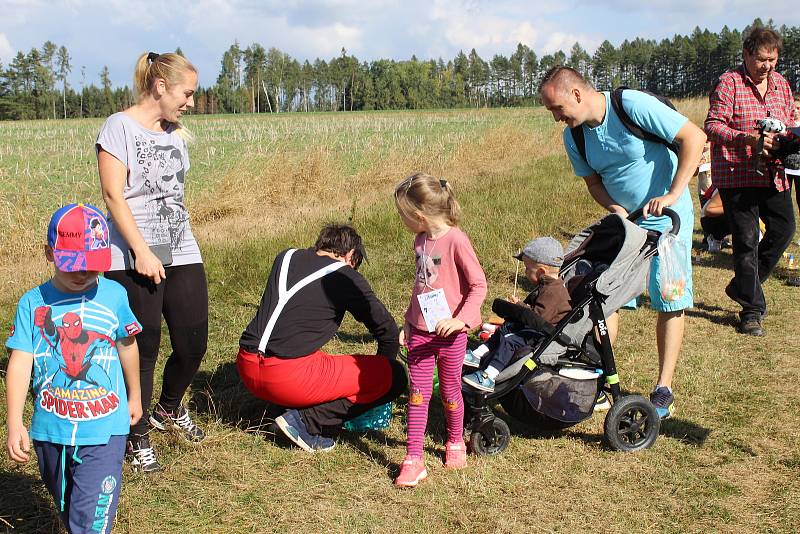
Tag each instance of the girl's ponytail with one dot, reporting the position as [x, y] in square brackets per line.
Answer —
[428, 195]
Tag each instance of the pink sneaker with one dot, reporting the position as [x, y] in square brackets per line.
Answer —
[412, 470]
[455, 455]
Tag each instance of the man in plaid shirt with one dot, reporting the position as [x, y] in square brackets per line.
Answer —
[750, 92]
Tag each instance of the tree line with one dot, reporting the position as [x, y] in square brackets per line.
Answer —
[259, 80]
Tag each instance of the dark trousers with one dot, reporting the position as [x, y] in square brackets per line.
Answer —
[753, 261]
[84, 481]
[326, 389]
[507, 340]
[327, 418]
[716, 227]
[182, 298]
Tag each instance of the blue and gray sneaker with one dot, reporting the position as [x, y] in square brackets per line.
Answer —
[470, 360]
[664, 401]
[479, 380]
[295, 429]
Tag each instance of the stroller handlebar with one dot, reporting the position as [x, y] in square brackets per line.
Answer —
[669, 212]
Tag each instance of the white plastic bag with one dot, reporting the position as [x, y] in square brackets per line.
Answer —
[673, 275]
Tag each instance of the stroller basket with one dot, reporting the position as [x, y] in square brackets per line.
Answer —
[565, 399]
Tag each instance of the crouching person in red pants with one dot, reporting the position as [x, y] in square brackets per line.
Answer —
[280, 361]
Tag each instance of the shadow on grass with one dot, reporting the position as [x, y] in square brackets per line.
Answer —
[713, 313]
[680, 429]
[222, 395]
[686, 431]
[26, 505]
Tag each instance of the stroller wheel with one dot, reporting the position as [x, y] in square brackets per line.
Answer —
[481, 445]
[632, 424]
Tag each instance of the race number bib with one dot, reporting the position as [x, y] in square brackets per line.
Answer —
[434, 308]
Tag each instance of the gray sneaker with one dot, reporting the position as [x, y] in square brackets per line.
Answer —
[141, 455]
[664, 401]
[178, 422]
[292, 425]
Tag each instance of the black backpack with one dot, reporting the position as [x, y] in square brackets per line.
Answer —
[616, 104]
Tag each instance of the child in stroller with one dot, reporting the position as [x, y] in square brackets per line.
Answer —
[550, 300]
[556, 379]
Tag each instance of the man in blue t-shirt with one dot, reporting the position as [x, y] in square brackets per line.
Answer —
[624, 173]
[74, 335]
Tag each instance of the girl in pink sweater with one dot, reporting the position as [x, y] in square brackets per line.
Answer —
[445, 303]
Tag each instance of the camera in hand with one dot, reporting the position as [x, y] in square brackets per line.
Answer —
[787, 153]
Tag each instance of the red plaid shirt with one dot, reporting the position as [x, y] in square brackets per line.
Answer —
[735, 106]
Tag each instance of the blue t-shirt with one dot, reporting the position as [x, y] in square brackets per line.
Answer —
[634, 170]
[79, 388]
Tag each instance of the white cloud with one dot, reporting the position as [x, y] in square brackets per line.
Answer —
[17, 12]
[369, 29]
[473, 28]
[6, 50]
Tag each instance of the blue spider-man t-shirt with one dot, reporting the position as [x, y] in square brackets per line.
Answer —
[79, 388]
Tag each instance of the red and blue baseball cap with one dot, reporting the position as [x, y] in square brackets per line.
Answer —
[78, 235]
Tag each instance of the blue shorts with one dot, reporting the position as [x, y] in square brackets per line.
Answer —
[84, 481]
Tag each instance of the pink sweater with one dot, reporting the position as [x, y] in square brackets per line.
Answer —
[449, 263]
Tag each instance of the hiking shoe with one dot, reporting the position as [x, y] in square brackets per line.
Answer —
[141, 456]
[412, 470]
[292, 425]
[602, 403]
[455, 455]
[470, 360]
[664, 401]
[178, 422]
[751, 327]
[479, 380]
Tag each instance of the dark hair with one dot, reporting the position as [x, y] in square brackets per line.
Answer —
[760, 37]
[561, 74]
[341, 239]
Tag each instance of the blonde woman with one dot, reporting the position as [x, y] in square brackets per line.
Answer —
[142, 158]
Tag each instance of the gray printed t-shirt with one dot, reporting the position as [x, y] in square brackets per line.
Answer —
[157, 163]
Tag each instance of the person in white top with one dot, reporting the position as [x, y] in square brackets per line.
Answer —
[143, 160]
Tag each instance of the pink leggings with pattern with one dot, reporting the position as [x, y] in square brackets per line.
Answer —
[424, 351]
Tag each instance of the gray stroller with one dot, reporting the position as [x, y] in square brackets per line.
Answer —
[553, 382]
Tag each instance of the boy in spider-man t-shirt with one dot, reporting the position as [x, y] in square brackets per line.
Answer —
[74, 335]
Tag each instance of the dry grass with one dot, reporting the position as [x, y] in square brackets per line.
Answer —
[728, 461]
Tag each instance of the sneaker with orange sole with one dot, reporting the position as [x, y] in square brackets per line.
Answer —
[412, 470]
[455, 455]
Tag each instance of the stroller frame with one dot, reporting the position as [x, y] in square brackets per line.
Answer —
[631, 424]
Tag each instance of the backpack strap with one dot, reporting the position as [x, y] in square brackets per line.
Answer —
[580, 141]
[285, 293]
[635, 129]
[625, 119]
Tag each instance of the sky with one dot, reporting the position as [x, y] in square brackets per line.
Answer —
[113, 33]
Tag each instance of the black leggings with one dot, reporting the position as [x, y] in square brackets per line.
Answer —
[183, 300]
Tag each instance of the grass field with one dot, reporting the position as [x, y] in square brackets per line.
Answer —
[728, 462]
